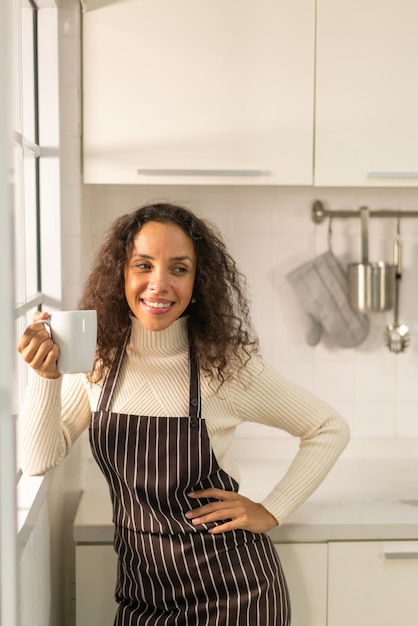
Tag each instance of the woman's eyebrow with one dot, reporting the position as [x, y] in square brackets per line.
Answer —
[182, 257]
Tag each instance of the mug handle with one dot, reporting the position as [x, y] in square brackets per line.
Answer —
[47, 324]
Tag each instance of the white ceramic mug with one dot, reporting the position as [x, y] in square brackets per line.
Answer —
[75, 333]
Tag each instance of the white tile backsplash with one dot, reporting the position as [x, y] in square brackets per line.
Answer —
[407, 419]
[407, 377]
[335, 382]
[375, 380]
[374, 419]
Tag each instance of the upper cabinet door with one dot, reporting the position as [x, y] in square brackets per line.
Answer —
[208, 92]
[367, 93]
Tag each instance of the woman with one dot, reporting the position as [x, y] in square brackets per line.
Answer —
[176, 372]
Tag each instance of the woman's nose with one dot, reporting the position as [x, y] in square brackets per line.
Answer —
[158, 281]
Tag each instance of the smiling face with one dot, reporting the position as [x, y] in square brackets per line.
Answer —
[159, 274]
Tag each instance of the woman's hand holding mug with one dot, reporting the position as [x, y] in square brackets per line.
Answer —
[38, 349]
[67, 346]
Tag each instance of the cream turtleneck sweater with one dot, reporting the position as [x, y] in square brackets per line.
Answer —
[154, 381]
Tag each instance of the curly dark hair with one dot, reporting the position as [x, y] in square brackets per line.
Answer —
[219, 326]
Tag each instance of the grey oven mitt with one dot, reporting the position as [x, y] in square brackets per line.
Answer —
[321, 289]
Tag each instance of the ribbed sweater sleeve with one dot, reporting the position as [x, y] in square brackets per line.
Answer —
[54, 413]
[270, 399]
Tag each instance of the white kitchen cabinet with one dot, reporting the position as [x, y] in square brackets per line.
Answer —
[335, 584]
[366, 126]
[373, 583]
[305, 568]
[95, 585]
[208, 92]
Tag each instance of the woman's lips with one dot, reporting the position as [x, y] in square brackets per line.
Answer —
[157, 306]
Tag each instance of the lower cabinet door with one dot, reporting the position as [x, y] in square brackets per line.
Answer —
[305, 569]
[95, 585]
[373, 583]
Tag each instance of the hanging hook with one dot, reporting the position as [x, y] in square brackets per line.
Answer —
[329, 236]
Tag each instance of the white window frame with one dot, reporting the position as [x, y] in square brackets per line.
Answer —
[18, 505]
[44, 149]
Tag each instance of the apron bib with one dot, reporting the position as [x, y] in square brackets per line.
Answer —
[171, 573]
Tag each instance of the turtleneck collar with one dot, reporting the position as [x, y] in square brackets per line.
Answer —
[172, 340]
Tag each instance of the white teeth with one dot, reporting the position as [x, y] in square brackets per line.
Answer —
[158, 305]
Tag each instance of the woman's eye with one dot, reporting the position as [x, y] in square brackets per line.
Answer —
[180, 270]
[142, 266]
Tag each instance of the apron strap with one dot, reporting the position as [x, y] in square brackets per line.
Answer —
[112, 376]
[195, 403]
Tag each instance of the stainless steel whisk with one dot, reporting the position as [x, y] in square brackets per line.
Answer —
[397, 335]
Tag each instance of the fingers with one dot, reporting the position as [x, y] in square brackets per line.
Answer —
[40, 315]
[220, 494]
[32, 338]
[235, 510]
[37, 348]
[213, 513]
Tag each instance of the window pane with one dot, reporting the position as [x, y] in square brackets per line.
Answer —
[19, 232]
[30, 224]
[28, 72]
[26, 227]
[16, 74]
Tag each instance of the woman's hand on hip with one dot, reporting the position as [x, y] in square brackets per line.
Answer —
[239, 511]
[38, 349]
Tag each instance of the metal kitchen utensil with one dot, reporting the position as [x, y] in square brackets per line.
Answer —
[370, 285]
[397, 335]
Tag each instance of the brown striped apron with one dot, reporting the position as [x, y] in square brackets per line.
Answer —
[170, 572]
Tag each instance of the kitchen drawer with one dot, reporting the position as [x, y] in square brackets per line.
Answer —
[373, 583]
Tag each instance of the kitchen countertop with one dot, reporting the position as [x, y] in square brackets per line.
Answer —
[361, 499]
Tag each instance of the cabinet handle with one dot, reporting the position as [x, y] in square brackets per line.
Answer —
[197, 172]
[393, 554]
[392, 174]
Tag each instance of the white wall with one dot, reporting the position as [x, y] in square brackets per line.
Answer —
[270, 232]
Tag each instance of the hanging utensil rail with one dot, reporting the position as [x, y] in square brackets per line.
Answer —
[320, 213]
